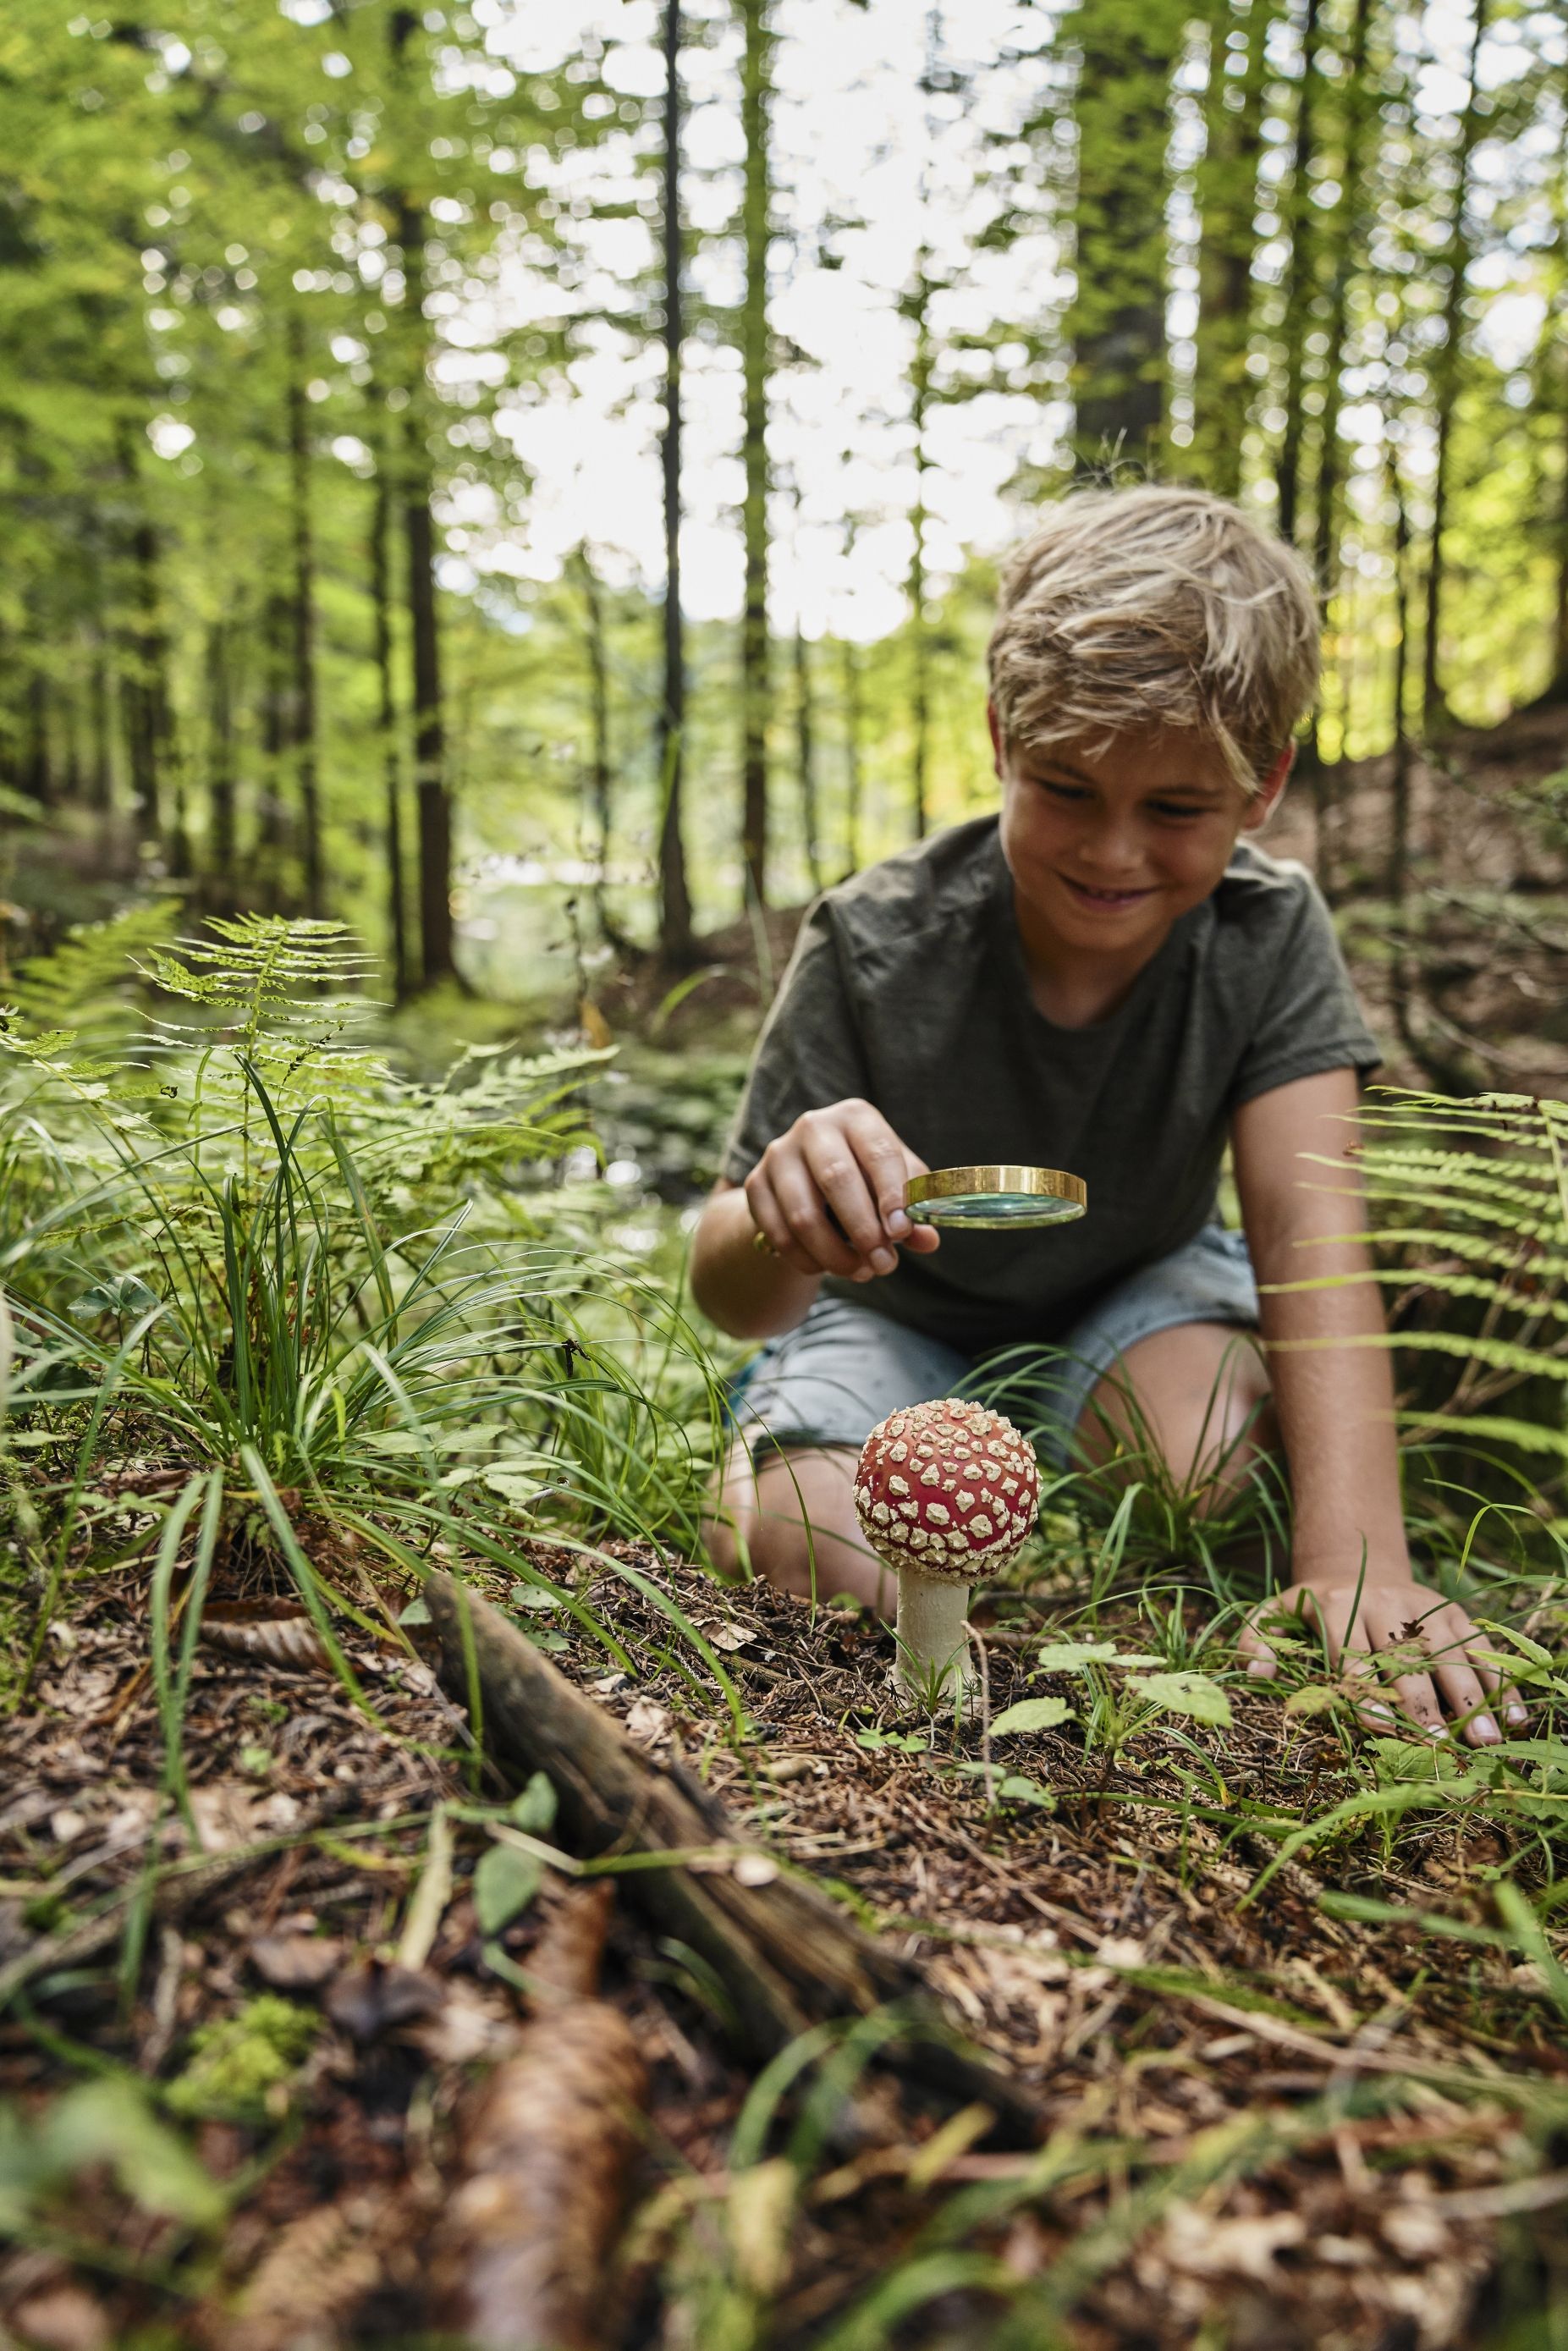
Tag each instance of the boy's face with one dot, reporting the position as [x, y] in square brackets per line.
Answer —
[1109, 847]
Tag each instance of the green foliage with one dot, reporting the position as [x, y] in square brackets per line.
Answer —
[282, 1261]
[108, 2121]
[238, 2069]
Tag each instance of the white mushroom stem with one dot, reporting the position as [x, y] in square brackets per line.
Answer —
[932, 1646]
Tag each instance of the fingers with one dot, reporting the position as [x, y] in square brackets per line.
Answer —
[829, 1195]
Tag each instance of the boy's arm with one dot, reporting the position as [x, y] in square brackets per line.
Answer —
[1350, 1565]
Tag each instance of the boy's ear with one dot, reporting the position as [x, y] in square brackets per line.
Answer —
[1267, 798]
[994, 723]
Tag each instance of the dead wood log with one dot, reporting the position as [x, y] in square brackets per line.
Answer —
[520, 2256]
[786, 1956]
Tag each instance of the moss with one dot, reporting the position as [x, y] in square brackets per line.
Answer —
[238, 2068]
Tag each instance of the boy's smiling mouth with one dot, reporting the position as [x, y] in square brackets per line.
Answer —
[1109, 902]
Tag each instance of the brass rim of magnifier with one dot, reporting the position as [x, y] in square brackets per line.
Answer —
[972, 1183]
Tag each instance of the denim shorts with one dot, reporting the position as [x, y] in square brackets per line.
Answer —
[844, 1368]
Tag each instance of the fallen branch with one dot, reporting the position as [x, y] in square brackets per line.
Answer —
[788, 1958]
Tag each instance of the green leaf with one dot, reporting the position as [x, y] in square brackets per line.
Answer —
[1190, 1694]
[504, 1883]
[1030, 1714]
[117, 1293]
[1067, 1656]
[1019, 1788]
[534, 1810]
[1313, 1698]
[109, 2121]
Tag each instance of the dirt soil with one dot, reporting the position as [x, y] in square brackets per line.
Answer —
[1268, 2127]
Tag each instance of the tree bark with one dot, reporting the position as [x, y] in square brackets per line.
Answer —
[919, 646]
[600, 770]
[1226, 199]
[674, 894]
[101, 724]
[433, 800]
[303, 728]
[1116, 322]
[806, 752]
[1446, 384]
[221, 758]
[1300, 274]
[387, 722]
[755, 224]
[787, 1958]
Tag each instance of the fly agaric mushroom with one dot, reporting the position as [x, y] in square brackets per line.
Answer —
[944, 1492]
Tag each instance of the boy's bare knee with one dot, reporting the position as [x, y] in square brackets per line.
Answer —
[791, 1519]
[1197, 1397]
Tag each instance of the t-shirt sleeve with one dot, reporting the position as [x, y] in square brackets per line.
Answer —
[1309, 1020]
[809, 1053]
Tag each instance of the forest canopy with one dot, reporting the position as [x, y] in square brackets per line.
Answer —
[368, 371]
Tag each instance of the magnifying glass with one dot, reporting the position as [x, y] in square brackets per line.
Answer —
[994, 1198]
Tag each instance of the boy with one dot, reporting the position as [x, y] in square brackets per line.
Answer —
[1111, 977]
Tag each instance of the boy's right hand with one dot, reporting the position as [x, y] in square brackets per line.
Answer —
[843, 1162]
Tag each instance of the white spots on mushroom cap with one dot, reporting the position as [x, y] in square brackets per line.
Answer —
[938, 1514]
[898, 1451]
[980, 1525]
[966, 1501]
[896, 1485]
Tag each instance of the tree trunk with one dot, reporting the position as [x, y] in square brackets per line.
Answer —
[806, 749]
[100, 723]
[1116, 322]
[271, 827]
[599, 770]
[221, 759]
[1299, 282]
[851, 663]
[919, 646]
[144, 696]
[755, 221]
[432, 798]
[386, 721]
[1445, 373]
[1226, 199]
[303, 617]
[1345, 241]
[674, 892]
[38, 768]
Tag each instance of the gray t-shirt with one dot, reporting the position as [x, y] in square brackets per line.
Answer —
[908, 988]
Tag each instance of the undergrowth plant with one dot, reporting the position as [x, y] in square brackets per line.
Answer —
[236, 1242]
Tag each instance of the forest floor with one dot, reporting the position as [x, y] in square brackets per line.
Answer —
[1280, 2102]
[1292, 2008]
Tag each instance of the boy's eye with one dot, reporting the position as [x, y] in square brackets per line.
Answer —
[1061, 791]
[1176, 808]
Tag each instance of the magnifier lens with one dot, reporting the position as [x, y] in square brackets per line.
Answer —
[995, 1198]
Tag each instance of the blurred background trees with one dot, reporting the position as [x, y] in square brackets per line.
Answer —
[455, 452]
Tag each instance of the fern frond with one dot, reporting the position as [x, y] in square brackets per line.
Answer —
[88, 970]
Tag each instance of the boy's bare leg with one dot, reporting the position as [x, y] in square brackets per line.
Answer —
[1200, 1393]
[764, 1515]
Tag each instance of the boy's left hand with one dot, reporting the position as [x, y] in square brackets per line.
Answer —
[1374, 1611]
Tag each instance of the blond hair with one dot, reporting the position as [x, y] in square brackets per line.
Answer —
[1144, 606]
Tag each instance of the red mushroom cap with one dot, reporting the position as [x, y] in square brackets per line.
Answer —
[946, 1488]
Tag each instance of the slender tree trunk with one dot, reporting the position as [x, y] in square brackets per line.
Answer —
[1300, 277]
[433, 798]
[101, 724]
[270, 826]
[806, 751]
[1445, 375]
[1399, 780]
[851, 664]
[1345, 239]
[220, 758]
[919, 643]
[1116, 322]
[303, 730]
[599, 766]
[1558, 689]
[1227, 201]
[674, 892]
[144, 702]
[387, 725]
[755, 220]
[37, 767]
